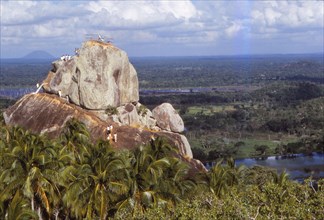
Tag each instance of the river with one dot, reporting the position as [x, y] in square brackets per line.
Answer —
[298, 167]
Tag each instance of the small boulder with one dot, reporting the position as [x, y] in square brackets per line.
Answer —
[167, 118]
[146, 117]
[127, 115]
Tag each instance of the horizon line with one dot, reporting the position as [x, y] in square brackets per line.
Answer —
[189, 56]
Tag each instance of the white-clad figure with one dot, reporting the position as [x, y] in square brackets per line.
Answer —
[115, 137]
[67, 99]
[37, 85]
[101, 38]
[60, 93]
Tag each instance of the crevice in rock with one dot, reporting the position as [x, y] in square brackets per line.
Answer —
[116, 76]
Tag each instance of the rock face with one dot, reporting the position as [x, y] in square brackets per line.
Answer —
[167, 118]
[98, 77]
[128, 115]
[99, 87]
[47, 113]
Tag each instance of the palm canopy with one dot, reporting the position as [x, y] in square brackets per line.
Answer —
[96, 182]
[31, 168]
[157, 178]
[222, 176]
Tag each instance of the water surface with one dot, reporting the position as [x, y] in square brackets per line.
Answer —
[299, 167]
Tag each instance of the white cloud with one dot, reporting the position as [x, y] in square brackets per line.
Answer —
[289, 14]
[139, 15]
[16, 12]
[145, 11]
[169, 23]
[233, 29]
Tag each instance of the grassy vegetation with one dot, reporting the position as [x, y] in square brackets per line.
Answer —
[209, 109]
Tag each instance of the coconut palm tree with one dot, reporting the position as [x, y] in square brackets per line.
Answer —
[143, 177]
[18, 209]
[218, 178]
[233, 172]
[222, 176]
[280, 179]
[32, 170]
[96, 182]
[157, 178]
[75, 141]
[175, 184]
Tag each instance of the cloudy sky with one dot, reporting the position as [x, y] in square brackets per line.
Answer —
[164, 28]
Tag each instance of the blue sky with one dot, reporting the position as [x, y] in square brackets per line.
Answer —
[164, 28]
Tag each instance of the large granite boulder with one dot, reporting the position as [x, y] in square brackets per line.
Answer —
[44, 113]
[47, 113]
[167, 118]
[98, 77]
[99, 87]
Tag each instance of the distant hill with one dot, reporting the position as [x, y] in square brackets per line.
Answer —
[38, 54]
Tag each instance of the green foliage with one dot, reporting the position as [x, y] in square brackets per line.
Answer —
[72, 178]
[271, 201]
[111, 110]
[142, 110]
[261, 150]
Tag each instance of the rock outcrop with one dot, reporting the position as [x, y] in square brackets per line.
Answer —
[47, 113]
[128, 115]
[167, 118]
[99, 87]
[98, 77]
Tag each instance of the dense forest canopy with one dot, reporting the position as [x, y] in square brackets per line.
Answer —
[190, 71]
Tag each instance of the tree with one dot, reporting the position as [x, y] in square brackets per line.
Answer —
[18, 209]
[280, 179]
[261, 149]
[217, 179]
[96, 182]
[157, 178]
[32, 170]
[75, 140]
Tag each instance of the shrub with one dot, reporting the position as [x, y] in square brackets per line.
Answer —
[111, 110]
